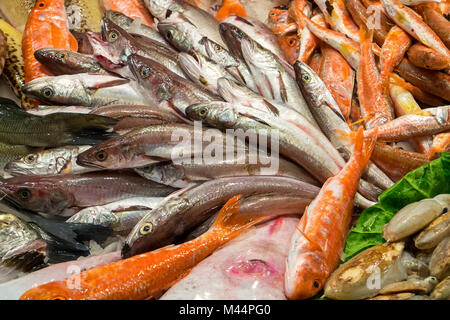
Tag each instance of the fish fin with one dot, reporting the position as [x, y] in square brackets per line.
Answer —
[73, 43]
[90, 138]
[108, 84]
[255, 118]
[229, 223]
[230, 8]
[271, 107]
[88, 231]
[283, 91]
[364, 145]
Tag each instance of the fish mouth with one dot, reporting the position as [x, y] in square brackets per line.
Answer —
[89, 164]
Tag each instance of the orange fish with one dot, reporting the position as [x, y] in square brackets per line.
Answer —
[315, 62]
[280, 22]
[419, 94]
[290, 46]
[441, 143]
[146, 275]
[339, 78]
[309, 42]
[46, 27]
[319, 239]
[131, 8]
[374, 107]
[229, 8]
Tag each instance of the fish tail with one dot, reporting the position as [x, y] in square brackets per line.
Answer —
[229, 8]
[363, 146]
[229, 223]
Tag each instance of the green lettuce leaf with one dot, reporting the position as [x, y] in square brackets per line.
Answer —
[425, 182]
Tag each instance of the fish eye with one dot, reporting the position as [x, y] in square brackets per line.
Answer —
[41, 4]
[306, 78]
[146, 229]
[24, 193]
[145, 72]
[30, 158]
[218, 48]
[58, 298]
[202, 112]
[169, 34]
[101, 155]
[113, 36]
[316, 284]
[292, 42]
[61, 55]
[240, 34]
[47, 92]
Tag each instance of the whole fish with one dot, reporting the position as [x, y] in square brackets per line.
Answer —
[159, 269]
[49, 18]
[180, 175]
[10, 153]
[272, 79]
[248, 267]
[134, 9]
[423, 57]
[438, 23]
[61, 62]
[48, 162]
[320, 236]
[431, 81]
[12, 290]
[65, 195]
[121, 215]
[134, 26]
[21, 128]
[189, 207]
[14, 70]
[164, 88]
[331, 120]
[84, 89]
[411, 22]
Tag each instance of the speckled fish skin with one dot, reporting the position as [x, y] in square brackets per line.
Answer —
[61, 62]
[64, 195]
[83, 15]
[189, 207]
[134, 26]
[412, 23]
[14, 71]
[84, 89]
[48, 162]
[249, 267]
[349, 281]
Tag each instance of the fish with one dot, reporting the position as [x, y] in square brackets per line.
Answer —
[64, 195]
[248, 267]
[121, 216]
[437, 23]
[418, 286]
[341, 19]
[22, 248]
[47, 17]
[431, 81]
[231, 7]
[442, 290]
[434, 233]
[290, 46]
[83, 15]
[309, 42]
[414, 217]
[375, 106]
[10, 153]
[355, 279]
[331, 120]
[320, 236]
[85, 89]
[134, 26]
[280, 22]
[43, 110]
[189, 207]
[57, 129]
[153, 266]
[423, 57]
[164, 88]
[180, 175]
[12, 290]
[134, 9]
[441, 143]
[440, 260]
[61, 62]
[48, 162]
[411, 22]
[14, 71]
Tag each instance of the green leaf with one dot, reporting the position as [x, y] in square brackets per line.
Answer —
[425, 182]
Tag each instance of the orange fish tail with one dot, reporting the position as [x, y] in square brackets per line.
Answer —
[229, 8]
[363, 146]
[229, 223]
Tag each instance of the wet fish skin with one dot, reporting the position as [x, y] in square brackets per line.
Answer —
[64, 195]
[84, 89]
[434, 233]
[440, 260]
[437, 22]
[10, 153]
[189, 207]
[48, 162]
[61, 62]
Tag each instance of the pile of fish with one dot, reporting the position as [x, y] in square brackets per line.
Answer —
[232, 139]
[413, 264]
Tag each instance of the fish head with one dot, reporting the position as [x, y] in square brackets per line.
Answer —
[120, 42]
[57, 290]
[56, 90]
[53, 56]
[278, 14]
[217, 53]
[147, 71]
[118, 18]
[216, 113]
[158, 8]
[177, 35]
[43, 6]
[306, 274]
[36, 194]
[29, 164]
[290, 46]
[232, 36]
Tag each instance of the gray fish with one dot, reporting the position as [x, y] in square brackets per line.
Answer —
[10, 153]
[189, 207]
